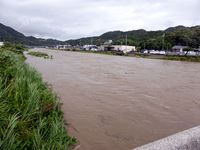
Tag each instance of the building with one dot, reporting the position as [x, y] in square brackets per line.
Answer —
[109, 42]
[63, 47]
[156, 52]
[123, 48]
[90, 48]
[197, 51]
[178, 48]
[1, 43]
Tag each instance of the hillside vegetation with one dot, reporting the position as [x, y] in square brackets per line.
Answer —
[9, 34]
[142, 39]
[180, 35]
[30, 115]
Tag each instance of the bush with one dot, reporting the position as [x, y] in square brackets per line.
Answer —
[17, 48]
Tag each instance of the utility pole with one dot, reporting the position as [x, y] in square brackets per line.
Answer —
[126, 39]
[91, 41]
[163, 41]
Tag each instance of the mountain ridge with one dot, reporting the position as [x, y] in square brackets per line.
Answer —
[11, 35]
[178, 35]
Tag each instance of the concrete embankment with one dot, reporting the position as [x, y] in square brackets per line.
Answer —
[186, 140]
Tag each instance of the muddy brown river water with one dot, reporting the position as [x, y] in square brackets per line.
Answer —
[119, 103]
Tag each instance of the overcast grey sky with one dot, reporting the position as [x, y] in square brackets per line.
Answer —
[66, 19]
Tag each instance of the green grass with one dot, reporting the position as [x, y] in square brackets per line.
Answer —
[168, 57]
[141, 55]
[39, 54]
[183, 58]
[30, 115]
[114, 53]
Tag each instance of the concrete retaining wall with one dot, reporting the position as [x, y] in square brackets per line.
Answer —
[186, 140]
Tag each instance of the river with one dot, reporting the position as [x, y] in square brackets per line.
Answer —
[119, 103]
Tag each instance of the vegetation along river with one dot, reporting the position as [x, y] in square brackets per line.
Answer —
[119, 103]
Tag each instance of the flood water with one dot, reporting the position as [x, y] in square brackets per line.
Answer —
[119, 103]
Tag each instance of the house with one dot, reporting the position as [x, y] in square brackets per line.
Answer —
[1, 43]
[178, 48]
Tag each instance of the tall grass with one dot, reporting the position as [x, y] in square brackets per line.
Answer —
[38, 54]
[30, 115]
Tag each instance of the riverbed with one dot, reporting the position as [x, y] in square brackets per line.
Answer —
[119, 103]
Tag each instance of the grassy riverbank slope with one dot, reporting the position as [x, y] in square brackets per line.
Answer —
[170, 57]
[140, 55]
[30, 115]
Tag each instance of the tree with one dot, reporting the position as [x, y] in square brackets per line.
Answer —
[187, 50]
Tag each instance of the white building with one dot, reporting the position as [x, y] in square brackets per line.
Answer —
[109, 42]
[123, 48]
[63, 47]
[192, 53]
[1, 43]
[90, 47]
[156, 52]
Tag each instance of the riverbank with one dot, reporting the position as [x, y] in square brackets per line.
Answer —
[170, 57]
[30, 114]
[114, 53]
[152, 98]
[149, 56]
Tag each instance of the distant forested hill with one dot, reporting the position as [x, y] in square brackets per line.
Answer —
[8, 34]
[180, 35]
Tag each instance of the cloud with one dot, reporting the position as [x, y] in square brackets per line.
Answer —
[66, 19]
